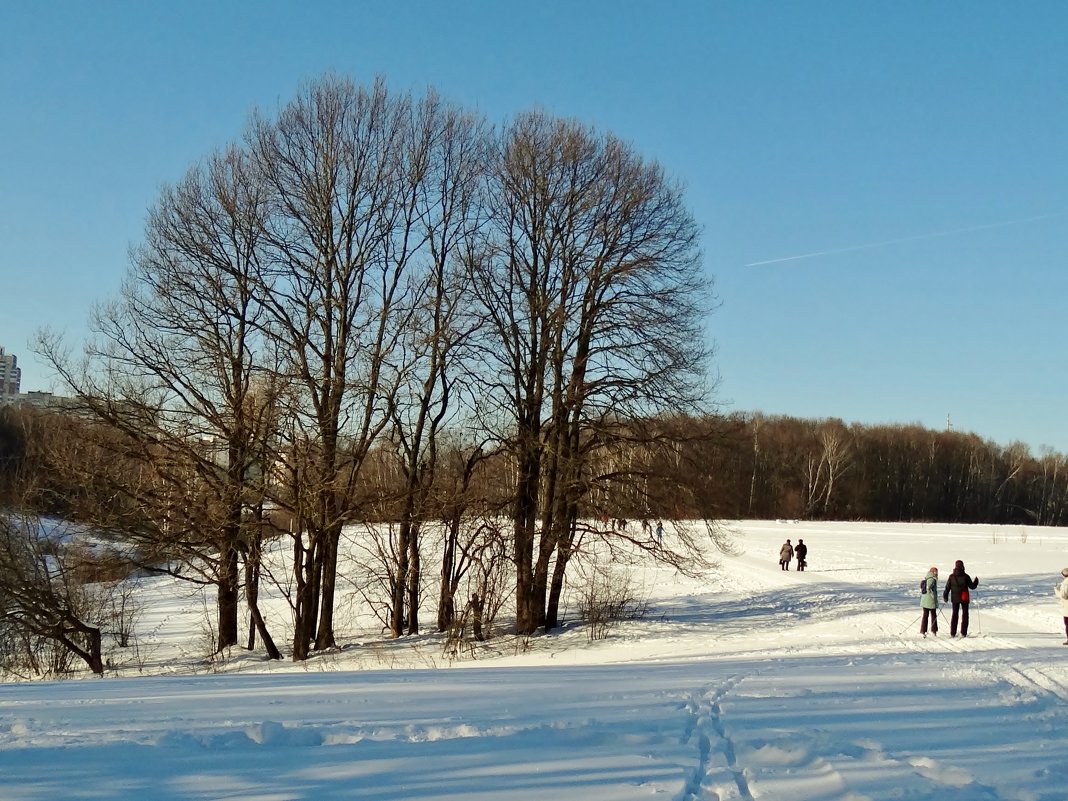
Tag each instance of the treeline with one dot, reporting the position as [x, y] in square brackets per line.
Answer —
[742, 465]
[784, 467]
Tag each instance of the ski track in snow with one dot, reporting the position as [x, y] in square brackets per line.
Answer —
[717, 776]
[804, 765]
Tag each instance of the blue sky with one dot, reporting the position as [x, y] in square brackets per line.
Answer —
[921, 148]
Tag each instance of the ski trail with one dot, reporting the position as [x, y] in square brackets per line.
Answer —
[1036, 680]
[747, 763]
[717, 776]
[781, 765]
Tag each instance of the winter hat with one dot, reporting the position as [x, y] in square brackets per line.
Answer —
[933, 570]
[959, 564]
[1065, 572]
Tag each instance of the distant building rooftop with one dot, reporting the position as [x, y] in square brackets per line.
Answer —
[41, 400]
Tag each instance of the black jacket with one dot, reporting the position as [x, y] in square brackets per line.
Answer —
[958, 582]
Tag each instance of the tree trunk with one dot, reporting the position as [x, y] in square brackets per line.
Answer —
[447, 590]
[228, 595]
[91, 653]
[326, 564]
[563, 556]
[260, 625]
[305, 596]
[400, 580]
[413, 580]
[527, 615]
[252, 596]
[96, 659]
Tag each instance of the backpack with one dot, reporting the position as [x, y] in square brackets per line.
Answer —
[923, 587]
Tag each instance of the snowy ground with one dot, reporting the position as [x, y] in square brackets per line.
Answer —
[750, 684]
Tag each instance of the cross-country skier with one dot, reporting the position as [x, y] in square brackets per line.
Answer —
[929, 602]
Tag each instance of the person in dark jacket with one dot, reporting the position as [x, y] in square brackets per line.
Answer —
[957, 589]
[801, 551]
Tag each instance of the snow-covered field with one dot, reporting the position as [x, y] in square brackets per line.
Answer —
[750, 683]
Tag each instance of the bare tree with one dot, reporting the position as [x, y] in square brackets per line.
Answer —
[466, 515]
[181, 371]
[343, 166]
[448, 153]
[589, 280]
[826, 463]
[44, 595]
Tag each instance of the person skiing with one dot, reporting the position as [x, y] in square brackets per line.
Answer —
[801, 551]
[1061, 591]
[957, 587]
[786, 553]
[929, 602]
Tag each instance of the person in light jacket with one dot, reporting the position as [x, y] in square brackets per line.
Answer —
[929, 602]
[1061, 591]
[958, 587]
[786, 553]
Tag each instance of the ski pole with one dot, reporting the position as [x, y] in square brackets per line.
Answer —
[910, 625]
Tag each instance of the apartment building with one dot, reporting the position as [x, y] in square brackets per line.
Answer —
[10, 376]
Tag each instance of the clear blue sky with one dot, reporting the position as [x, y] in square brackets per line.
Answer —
[921, 148]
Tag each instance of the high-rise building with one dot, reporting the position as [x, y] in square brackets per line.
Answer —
[10, 375]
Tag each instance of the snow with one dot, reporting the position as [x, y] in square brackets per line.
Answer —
[749, 683]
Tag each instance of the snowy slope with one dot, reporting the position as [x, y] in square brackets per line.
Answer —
[751, 683]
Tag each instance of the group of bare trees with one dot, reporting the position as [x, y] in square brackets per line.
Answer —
[376, 307]
[789, 467]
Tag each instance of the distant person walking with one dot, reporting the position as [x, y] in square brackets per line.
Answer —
[659, 532]
[801, 552]
[786, 553]
[929, 602]
[957, 590]
[1061, 591]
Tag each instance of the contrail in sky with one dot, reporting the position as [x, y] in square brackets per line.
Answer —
[915, 238]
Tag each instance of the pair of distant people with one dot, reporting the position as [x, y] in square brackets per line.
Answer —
[787, 553]
[957, 591]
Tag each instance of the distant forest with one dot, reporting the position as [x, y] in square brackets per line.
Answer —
[734, 466]
[775, 467]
